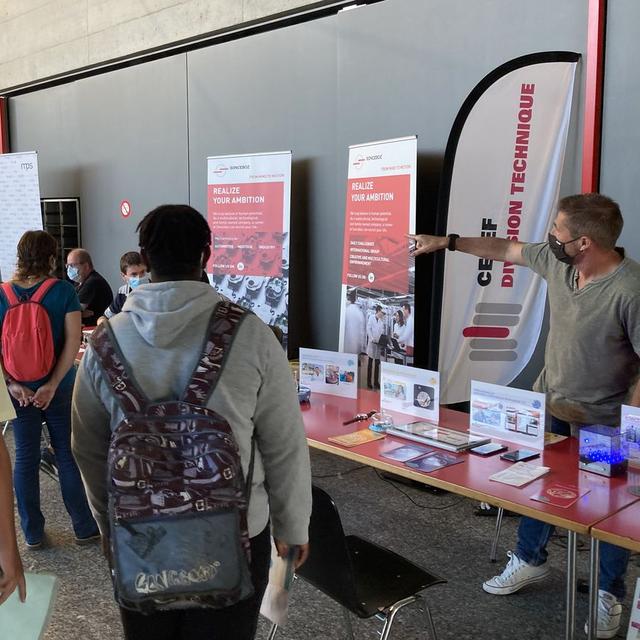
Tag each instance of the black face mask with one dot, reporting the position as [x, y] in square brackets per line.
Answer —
[557, 248]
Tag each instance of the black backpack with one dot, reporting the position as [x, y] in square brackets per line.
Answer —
[177, 496]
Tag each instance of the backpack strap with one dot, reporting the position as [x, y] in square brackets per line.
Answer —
[113, 365]
[10, 294]
[223, 325]
[37, 295]
[43, 289]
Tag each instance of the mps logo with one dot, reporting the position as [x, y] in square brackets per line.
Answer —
[489, 333]
[358, 163]
[220, 170]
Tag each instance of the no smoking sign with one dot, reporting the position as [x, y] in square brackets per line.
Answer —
[125, 208]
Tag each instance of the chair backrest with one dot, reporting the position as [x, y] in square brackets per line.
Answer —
[328, 567]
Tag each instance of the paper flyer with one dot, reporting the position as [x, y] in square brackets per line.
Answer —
[329, 372]
[560, 495]
[520, 474]
[510, 414]
[433, 461]
[356, 438]
[275, 602]
[28, 620]
[409, 390]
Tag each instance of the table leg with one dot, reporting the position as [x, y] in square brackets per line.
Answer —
[570, 627]
[594, 568]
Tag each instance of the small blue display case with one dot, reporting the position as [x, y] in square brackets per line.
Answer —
[601, 450]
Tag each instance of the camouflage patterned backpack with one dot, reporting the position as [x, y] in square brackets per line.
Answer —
[177, 497]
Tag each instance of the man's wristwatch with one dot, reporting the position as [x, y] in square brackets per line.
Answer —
[452, 241]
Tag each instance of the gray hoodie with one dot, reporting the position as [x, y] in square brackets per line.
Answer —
[160, 331]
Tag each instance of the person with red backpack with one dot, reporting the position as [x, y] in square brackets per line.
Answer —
[188, 432]
[40, 332]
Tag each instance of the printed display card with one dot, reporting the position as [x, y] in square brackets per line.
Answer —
[434, 461]
[329, 372]
[415, 392]
[509, 414]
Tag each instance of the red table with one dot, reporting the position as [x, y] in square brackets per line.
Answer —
[324, 417]
[621, 529]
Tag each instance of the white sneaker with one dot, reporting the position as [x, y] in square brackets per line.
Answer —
[516, 574]
[609, 614]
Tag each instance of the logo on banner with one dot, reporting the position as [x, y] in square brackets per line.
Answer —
[489, 334]
[358, 162]
[221, 169]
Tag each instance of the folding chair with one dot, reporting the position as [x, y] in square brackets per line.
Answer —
[364, 578]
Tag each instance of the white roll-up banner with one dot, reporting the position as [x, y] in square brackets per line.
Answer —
[378, 270]
[19, 204]
[248, 205]
[501, 177]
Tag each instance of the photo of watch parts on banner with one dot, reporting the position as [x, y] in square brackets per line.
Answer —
[378, 274]
[248, 205]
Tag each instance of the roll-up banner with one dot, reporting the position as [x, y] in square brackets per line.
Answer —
[248, 205]
[501, 177]
[377, 269]
[19, 204]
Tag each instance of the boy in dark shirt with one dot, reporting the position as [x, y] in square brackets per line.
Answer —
[134, 273]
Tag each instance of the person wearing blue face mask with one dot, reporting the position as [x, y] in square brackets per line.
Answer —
[93, 290]
[592, 358]
[134, 273]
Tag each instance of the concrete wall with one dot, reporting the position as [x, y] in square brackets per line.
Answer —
[41, 38]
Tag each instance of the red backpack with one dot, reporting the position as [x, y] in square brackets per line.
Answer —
[28, 352]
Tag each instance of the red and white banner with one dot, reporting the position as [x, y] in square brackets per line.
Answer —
[248, 204]
[377, 268]
[502, 174]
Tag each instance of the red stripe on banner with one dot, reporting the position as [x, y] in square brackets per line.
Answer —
[592, 131]
[4, 126]
[485, 332]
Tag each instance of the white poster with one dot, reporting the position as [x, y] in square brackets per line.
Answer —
[503, 166]
[507, 413]
[248, 205]
[633, 632]
[630, 432]
[329, 372]
[410, 390]
[378, 273]
[19, 204]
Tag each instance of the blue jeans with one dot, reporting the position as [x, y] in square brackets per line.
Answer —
[534, 535]
[27, 428]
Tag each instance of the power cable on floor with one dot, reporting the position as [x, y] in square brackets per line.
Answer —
[421, 506]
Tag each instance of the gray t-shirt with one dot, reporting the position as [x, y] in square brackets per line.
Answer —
[592, 354]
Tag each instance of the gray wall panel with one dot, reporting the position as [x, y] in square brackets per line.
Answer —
[111, 137]
[620, 130]
[275, 92]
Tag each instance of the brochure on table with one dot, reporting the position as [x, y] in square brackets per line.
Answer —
[415, 392]
[329, 372]
[630, 432]
[507, 413]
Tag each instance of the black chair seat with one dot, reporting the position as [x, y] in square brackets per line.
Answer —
[382, 577]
